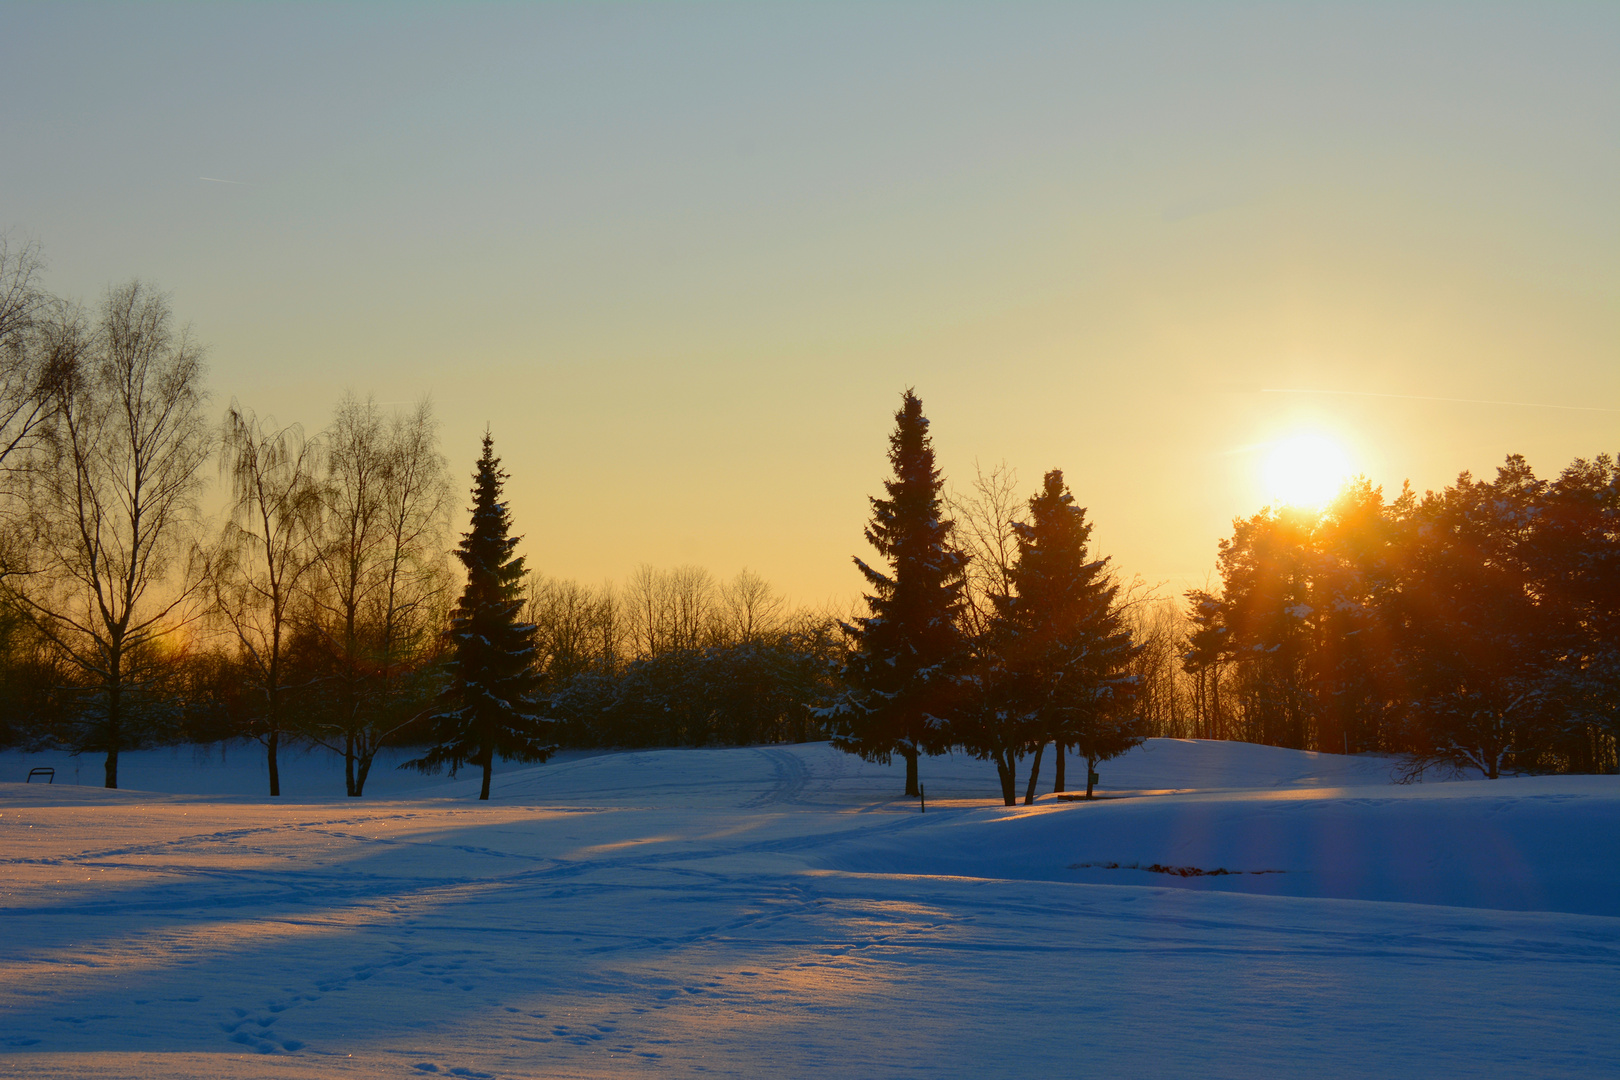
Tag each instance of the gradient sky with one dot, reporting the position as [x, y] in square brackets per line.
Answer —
[682, 259]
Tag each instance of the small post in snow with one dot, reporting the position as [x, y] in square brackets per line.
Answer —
[922, 799]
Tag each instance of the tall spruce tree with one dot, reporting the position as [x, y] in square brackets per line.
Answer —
[899, 670]
[491, 695]
[1065, 644]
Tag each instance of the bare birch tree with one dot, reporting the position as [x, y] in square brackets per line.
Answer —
[673, 610]
[692, 608]
[410, 605]
[40, 341]
[1162, 696]
[353, 533]
[265, 556]
[114, 504]
[384, 586]
[984, 533]
[985, 515]
[749, 610]
[645, 604]
[577, 628]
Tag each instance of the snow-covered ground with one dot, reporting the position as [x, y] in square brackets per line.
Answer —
[776, 911]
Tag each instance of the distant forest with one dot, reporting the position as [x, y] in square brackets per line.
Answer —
[1477, 627]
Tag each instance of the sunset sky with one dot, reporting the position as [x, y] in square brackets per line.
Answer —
[682, 259]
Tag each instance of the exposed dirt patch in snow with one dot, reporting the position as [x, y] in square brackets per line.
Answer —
[1177, 871]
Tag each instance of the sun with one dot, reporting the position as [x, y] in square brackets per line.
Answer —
[1305, 470]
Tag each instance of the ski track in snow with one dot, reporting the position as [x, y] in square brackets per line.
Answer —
[788, 778]
[777, 911]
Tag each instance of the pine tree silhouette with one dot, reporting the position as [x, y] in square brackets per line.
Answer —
[491, 696]
[899, 671]
[1064, 641]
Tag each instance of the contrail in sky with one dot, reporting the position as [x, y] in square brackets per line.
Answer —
[1458, 400]
[217, 180]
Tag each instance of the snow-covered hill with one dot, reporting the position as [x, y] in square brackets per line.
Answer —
[777, 911]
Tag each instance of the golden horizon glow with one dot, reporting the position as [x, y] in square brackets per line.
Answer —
[1305, 470]
[668, 252]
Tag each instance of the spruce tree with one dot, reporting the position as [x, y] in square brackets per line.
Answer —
[1065, 644]
[904, 652]
[491, 697]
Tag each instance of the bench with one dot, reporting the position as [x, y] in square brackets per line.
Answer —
[48, 773]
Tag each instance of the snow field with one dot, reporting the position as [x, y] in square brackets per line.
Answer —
[775, 911]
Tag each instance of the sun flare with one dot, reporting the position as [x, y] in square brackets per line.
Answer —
[1305, 470]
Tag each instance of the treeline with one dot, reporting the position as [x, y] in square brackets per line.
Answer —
[1475, 627]
[312, 610]
[318, 606]
[676, 658]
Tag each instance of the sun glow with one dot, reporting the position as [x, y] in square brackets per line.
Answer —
[1305, 470]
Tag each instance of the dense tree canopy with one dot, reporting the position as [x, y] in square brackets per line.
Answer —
[1474, 627]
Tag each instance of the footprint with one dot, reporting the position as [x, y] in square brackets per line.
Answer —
[242, 1038]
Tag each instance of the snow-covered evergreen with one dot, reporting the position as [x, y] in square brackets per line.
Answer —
[491, 703]
[899, 670]
[1067, 647]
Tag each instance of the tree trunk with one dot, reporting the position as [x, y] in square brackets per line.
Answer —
[348, 765]
[1007, 770]
[362, 770]
[1034, 775]
[910, 754]
[114, 735]
[272, 738]
[1057, 781]
[1091, 772]
[489, 767]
